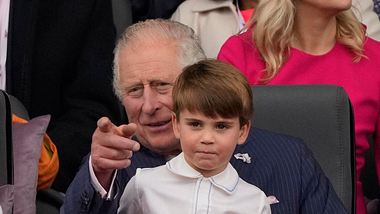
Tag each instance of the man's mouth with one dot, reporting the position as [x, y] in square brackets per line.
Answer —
[159, 126]
[160, 123]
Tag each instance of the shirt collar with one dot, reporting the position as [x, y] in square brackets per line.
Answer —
[227, 180]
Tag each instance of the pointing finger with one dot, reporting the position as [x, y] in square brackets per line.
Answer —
[127, 130]
[105, 125]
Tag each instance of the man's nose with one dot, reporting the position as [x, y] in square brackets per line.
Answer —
[151, 101]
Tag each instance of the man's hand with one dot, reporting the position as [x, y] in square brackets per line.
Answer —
[111, 149]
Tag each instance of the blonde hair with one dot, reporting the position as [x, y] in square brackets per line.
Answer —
[273, 28]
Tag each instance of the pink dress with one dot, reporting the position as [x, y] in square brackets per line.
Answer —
[360, 80]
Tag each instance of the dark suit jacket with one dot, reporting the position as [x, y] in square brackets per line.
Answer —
[59, 62]
[152, 9]
[281, 166]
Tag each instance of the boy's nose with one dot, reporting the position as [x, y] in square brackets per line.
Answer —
[207, 138]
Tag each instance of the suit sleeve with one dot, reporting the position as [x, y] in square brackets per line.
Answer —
[81, 196]
[318, 195]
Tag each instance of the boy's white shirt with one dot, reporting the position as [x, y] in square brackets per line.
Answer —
[178, 188]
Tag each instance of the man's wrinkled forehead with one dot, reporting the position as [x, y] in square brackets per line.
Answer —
[133, 81]
[148, 66]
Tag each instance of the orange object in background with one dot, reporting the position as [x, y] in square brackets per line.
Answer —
[48, 163]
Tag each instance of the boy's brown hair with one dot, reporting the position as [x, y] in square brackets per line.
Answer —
[215, 89]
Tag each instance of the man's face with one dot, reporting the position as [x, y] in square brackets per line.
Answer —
[146, 78]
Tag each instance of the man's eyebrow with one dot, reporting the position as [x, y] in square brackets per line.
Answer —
[130, 85]
[139, 83]
[152, 82]
[157, 80]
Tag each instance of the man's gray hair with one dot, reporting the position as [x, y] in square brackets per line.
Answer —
[157, 31]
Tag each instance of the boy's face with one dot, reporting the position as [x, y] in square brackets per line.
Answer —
[208, 143]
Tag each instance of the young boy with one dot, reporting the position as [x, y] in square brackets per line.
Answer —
[212, 110]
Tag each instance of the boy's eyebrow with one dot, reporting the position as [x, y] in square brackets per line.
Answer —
[225, 121]
[222, 120]
[191, 119]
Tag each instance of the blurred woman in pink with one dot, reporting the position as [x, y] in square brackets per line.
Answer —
[315, 42]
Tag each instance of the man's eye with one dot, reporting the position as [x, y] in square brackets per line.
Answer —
[162, 87]
[135, 91]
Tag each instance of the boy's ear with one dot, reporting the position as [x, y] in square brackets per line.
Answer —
[176, 128]
[244, 131]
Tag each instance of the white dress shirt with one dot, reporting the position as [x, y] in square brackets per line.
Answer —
[4, 17]
[177, 188]
[96, 184]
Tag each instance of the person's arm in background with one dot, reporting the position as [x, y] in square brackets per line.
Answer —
[363, 10]
[152, 9]
[88, 95]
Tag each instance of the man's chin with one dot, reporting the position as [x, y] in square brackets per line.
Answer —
[162, 145]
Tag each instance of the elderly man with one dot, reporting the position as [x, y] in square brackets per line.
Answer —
[148, 58]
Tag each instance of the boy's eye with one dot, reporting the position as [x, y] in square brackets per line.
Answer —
[221, 126]
[194, 124]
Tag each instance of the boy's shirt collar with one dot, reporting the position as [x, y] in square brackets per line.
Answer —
[227, 180]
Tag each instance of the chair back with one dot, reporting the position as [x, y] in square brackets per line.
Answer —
[321, 115]
[6, 152]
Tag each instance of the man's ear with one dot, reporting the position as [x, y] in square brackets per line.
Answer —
[244, 131]
[176, 128]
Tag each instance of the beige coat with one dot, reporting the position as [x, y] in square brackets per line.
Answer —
[214, 21]
[363, 10]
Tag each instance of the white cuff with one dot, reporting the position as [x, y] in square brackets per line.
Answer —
[97, 186]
